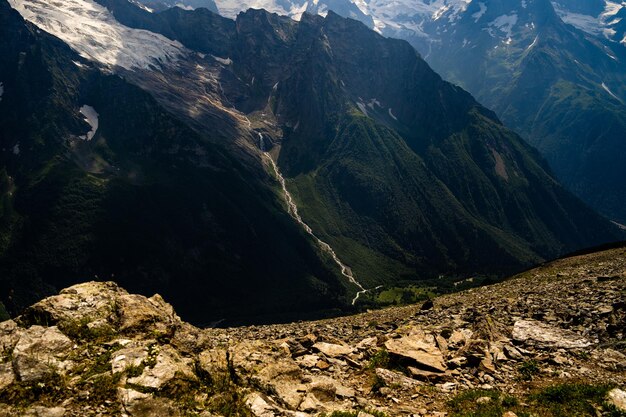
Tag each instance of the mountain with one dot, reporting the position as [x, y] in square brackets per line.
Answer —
[296, 8]
[600, 17]
[548, 342]
[552, 71]
[146, 200]
[257, 166]
[562, 89]
[160, 5]
[295, 97]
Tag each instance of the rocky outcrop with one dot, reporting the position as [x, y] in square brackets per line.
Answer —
[95, 350]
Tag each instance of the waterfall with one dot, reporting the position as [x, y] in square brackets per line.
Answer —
[292, 209]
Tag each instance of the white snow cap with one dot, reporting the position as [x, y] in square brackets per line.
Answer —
[92, 31]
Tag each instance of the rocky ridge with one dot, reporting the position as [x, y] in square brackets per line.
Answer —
[96, 350]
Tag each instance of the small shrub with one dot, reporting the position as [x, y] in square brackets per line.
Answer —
[133, 371]
[575, 399]
[377, 383]
[380, 359]
[465, 404]
[528, 370]
[104, 388]
[102, 363]
[48, 390]
[230, 403]
[80, 330]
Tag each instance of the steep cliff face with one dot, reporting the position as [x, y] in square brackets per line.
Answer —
[400, 171]
[147, 200]
[548, 342]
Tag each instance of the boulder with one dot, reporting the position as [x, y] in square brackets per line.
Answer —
[308, 361]
[167, 365]
[542, 335]
[148, 315]
[284, 379]
[261, 406]
[40, 411]
[617, 398]
[418, 349]
[10, 334]
[214, 362]
[326, 388]
[41, 351]
[129, 397]
[332, 350]
[393, 378]
[7, 377]
[130, 356]
[89, 301]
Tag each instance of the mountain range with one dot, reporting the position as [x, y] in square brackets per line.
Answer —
[553, 71]
[255, 166]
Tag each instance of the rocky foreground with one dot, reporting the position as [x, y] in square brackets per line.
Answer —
[95, 350]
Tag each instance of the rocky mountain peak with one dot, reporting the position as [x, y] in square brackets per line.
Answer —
[96, 350]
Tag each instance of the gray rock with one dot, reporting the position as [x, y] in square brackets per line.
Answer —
[543, 335]
[617, 398]
[283, 379]
[422, 351]
[260, 406]
[40, 352]
[394, 378]
[7, 377]
[45, 412]
[168, 365]
[332, 350]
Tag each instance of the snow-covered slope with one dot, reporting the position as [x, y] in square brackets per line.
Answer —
[158, 5]
[93, 32]
[295, 8]
[606, 19]
[423, 21]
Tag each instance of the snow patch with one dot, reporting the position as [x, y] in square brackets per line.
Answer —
[532, 45]
[392, 115]
[604, 86]
[223, 61]
[373, 102]
[440, 12]
[611, 9]
[609, 33]
[505, 23]
[16, 149]
[480, 13]
[183, 6]
[92, 118]
[142, 6]
[92, 31]
[362, 107]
